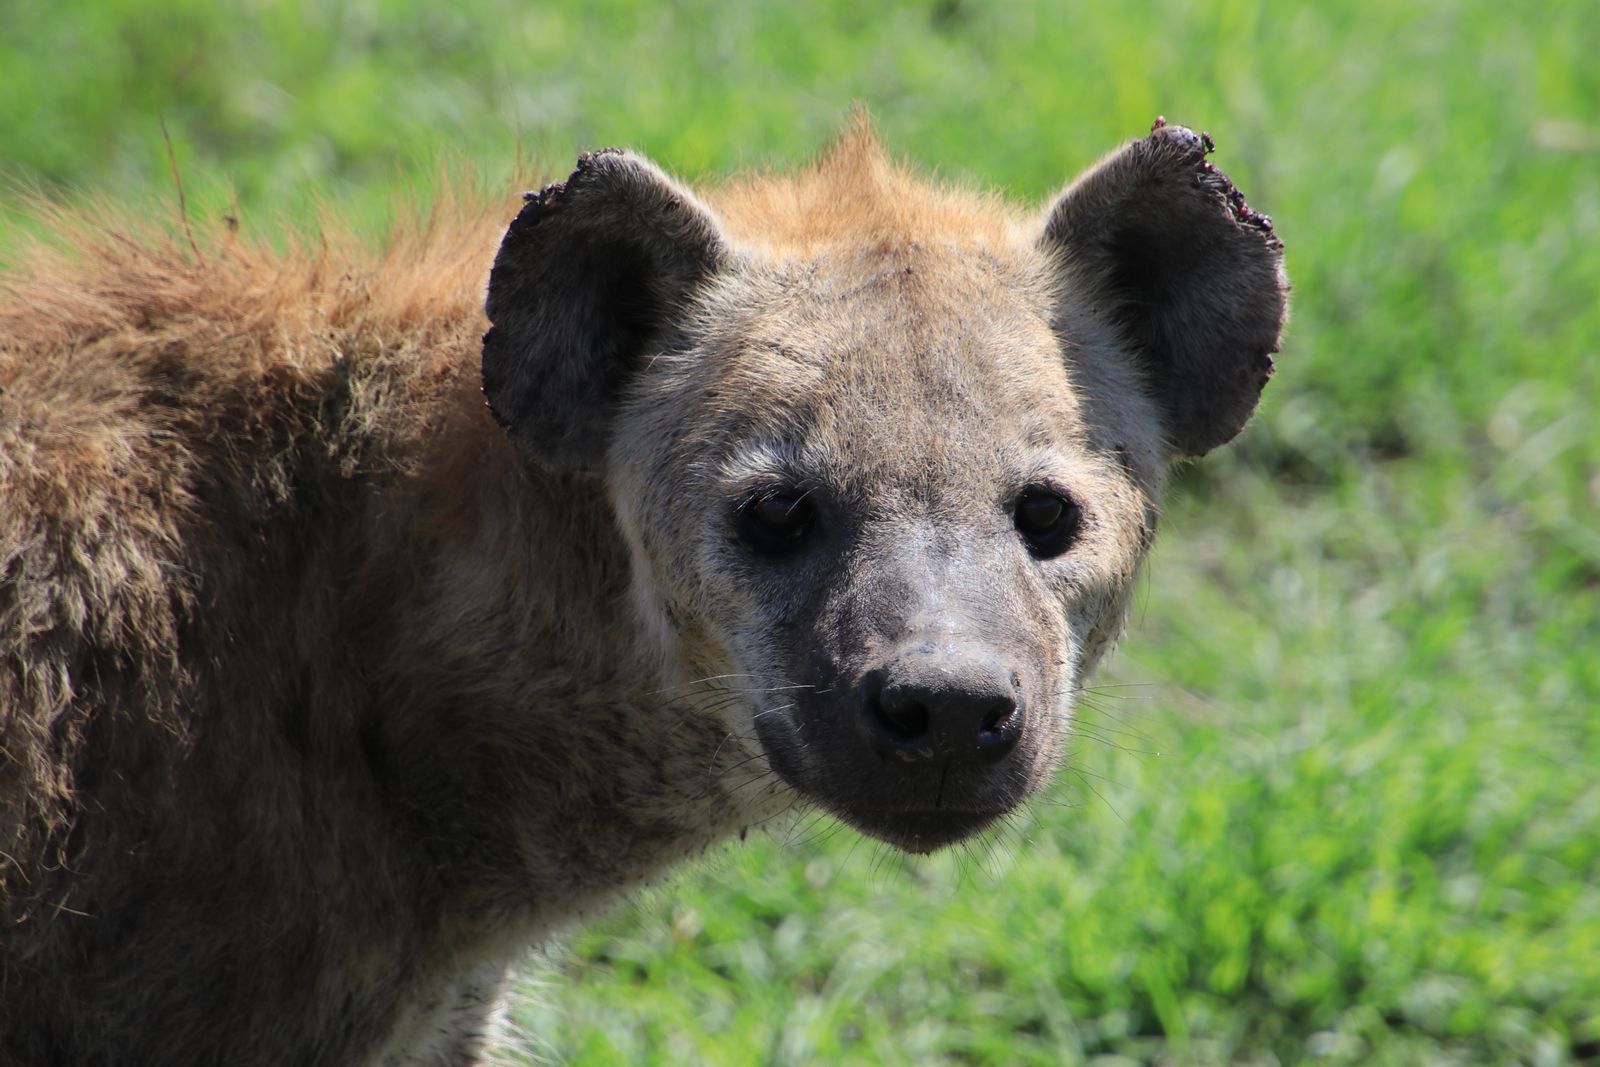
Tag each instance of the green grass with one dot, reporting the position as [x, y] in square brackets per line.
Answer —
[1340, 801]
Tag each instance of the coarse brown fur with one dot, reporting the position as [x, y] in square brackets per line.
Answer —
[322, 695]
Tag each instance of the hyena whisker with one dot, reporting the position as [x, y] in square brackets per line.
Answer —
[1122, 728]
[1046, 800]
[1097, 776]
[821, 826]
[788, 809]
[1090, 733]
[709, 680]
[1077, 773]
[1106, 688]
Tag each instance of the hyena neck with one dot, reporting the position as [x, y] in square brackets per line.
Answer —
[543, 762]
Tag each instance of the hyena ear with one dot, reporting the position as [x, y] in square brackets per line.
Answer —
[1167, 248]
[590, 275]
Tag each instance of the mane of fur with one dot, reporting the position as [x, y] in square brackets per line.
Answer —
[123, 347]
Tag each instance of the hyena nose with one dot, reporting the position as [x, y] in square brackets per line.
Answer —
[925, 707]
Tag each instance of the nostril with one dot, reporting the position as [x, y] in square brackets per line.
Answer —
[995, 721]
[905, 721]
[999, 731]
[920, 709]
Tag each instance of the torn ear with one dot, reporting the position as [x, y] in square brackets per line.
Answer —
[1170, 251]
[591, 273]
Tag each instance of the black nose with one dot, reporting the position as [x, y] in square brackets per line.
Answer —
[925, 706]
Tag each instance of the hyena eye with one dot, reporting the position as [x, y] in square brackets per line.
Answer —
[776, 522]
[1046, 520]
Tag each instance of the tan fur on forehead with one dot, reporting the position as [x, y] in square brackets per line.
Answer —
[855, 192]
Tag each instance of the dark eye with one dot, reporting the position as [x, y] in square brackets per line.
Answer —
[1047, 521]
[776, 522]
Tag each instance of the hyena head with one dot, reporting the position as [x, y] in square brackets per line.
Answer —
[887, 458]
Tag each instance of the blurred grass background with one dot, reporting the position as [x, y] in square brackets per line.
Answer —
[1340, 800]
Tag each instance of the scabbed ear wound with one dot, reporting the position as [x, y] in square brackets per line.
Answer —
[589, 274]
[1189, 273]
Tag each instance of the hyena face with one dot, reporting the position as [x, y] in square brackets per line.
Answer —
[884, 524]
[886, 465]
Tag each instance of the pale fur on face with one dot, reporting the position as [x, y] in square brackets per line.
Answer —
[894, 350]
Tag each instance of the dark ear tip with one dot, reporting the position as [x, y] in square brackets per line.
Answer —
[598, 165]
[1187, 142]
[596, 156]
[1187, 148]
[588, 162]
[535, 205]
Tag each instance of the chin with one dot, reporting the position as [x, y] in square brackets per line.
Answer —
[921, 832]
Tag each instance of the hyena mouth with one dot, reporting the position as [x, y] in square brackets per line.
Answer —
[923, 832]
[921, 752]
[914, 808]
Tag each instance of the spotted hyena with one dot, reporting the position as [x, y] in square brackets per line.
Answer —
[347, 649]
